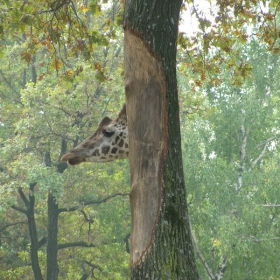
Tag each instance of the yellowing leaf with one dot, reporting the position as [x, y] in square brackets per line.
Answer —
[26, 56]
[83, 8]
[40, 78]
[56, 63]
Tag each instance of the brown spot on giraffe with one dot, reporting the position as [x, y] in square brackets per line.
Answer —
[109, 142]
[121, 143]
[105, 150]
[116, 140]
[96, 151]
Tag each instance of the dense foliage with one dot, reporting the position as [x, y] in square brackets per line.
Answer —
[231, 155]
[61, 72]
[49, 102]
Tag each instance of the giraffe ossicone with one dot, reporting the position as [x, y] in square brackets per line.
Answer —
[109, 142]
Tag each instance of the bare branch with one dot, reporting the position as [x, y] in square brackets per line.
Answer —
[263, 150]
[19, 209]
[9, 84]
[200, 254]
[13, 224]
[90, 202]
[53, 9]
[255, 239]
[244, 134]
[270, 205]
[221, 269]
[24, 198]
[42, 242]
[74, 244]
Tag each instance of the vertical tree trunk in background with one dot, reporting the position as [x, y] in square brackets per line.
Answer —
[161, 245]
[52, 266]
[33, 70]
[52, 246]
[33, 235]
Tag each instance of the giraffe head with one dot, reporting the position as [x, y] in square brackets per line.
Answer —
[108, 143]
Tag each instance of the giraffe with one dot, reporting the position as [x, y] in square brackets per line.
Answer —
[109, 142]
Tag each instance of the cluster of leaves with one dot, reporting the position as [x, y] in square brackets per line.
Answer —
[60, 29]
[223, 27]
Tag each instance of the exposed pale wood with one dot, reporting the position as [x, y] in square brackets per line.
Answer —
[145, 93]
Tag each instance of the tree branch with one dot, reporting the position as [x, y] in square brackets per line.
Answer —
[127, 243]
[74, 244]
[244, 134]
[13, 224]
[270, 205]
[23, 197]
[255, 239]
[31, 196]
[200, 254]
[221, 269]
[19, 209]
[91, 265]
[9, 84]
[263, 150]
[42, 242]
[90, 202]
[53, 9]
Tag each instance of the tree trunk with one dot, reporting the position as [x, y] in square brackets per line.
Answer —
[33, 235]
[33, 70]
[52, 266]
[161, 245]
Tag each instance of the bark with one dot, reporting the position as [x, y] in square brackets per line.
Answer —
[53, 212]
[52, 247]
[24, 78]
[241, 169]
[260, 156]
[33, 70]
[161, 246]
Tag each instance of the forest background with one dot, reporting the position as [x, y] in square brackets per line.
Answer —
[62, 72]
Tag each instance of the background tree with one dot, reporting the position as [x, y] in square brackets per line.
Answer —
[64, 108]
[232, 171]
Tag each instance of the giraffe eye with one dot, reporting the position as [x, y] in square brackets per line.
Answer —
[108, 133]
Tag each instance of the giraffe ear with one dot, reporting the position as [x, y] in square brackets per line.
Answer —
[102, 125]
[104, 122]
